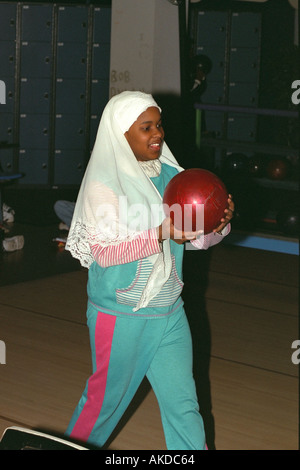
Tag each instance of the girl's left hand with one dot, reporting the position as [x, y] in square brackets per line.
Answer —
[228, 215]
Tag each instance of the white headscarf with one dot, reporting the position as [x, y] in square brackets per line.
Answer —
[117, 200]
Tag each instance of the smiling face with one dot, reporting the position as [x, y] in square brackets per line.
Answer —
[146, 135]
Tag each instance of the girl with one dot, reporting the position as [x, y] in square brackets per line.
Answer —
[135, 313]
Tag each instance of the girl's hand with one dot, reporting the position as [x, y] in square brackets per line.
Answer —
[168, 230]
[228, 215]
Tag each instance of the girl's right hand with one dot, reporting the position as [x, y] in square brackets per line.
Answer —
[168, 230]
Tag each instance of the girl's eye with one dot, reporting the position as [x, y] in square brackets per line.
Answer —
[148, 128]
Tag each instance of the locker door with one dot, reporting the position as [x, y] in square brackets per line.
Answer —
[102, 25]
[100, 60]
[214, 123]
[214, 93]
[241, 127]
[7, 58]
[71, 60]
[34, 131]
[212, 28]
[70, 96]
[72, 24]
[34, 164]
[245, 29]
[35, 96]
[36, 59]
[9, 95]
[6, 161]
[36, 24]
[8, 13]
[243, 94]
[244, 65]
[69, 132]
[99, 95]
[6, 126]
[217, 56]
[69, 166]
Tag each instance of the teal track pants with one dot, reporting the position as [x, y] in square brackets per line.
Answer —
[124, 351]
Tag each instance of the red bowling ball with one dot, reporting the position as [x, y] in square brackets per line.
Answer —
[277, 169]
[195, 199]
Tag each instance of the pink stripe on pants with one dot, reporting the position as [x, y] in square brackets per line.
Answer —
[104, 331]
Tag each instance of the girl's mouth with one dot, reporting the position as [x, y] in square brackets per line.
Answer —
[155, 146]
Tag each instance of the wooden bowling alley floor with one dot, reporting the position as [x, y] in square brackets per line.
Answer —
[242, 305]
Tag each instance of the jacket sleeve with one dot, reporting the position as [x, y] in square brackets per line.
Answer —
[142, 246]
[203, 242]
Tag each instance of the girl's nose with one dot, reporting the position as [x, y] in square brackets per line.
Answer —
[159, 132]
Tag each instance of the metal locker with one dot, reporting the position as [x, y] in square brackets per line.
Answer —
[217, 57]
[244, 64]
[70, 96]
[214, 123]
[102, 25]
[34, 131]
[35, 95]
[99, 95]
[69, 131]
[100, 61]
[241, 127]
[69, 166]
[7, 160]
[9, 94]
[34, 164]
[8, 13]
[71, 60]
[245, 29]
[214, 93]
[212, 28]
[36, 23]
[6, 126]
[7, 58]
[243, 94]
[36, 59]
[72, 24]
